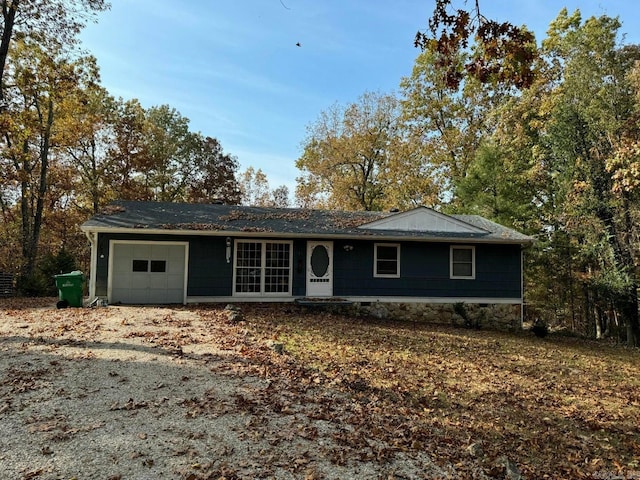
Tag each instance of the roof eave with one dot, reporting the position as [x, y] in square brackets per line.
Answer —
[341, 236]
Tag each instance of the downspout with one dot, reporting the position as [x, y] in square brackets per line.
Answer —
[93, 241]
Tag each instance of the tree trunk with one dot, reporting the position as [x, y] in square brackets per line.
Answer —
[32, 219]
[95, 190]
[630, 314]
[9, 9]
[599, 323]
[633, 323]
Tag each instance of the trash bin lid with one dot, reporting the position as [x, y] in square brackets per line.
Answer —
[75, 273]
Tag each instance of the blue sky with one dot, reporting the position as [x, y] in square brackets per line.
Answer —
[233, 68]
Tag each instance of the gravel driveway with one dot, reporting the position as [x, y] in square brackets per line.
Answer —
[168, 393]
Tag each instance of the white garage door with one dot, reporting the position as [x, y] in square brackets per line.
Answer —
[147, 272]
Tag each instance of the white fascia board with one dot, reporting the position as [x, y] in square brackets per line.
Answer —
[364, 236]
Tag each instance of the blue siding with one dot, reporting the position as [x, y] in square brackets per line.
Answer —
[424, 272]
[209, 272]
[424, 269]
[299, 286]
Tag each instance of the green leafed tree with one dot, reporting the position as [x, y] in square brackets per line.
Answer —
[570, 131]
[170, 153]
[498, 187]
[446, 128]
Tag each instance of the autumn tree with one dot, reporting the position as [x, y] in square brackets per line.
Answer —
[125, 152]
[280, 197]
[446, 129]
[215, 175]
[573, 124]
[499, 52]
[57, 21]
[357, 157]
[88, 134]
[35, 107]
[588, 126]
[256, 191]
[132, 153]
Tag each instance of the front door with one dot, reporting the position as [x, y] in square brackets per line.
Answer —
[319, 269]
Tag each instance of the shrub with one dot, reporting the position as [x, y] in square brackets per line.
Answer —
[41, 282]
[540, 329]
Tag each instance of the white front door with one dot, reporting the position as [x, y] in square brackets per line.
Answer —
[319, 269]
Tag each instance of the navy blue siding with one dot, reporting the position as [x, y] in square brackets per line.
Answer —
[424, 272]
[209, 272]
[424, 269]
[299, 286]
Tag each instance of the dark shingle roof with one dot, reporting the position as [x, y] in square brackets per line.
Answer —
[229, 219]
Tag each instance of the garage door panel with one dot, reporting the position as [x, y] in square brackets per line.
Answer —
[160, 274]
[175, 295]
[160, 253]
[122, 295]
[138, 295]
[157, 281]
[138, 280]
[175, 268]
[140, 251]
[122, 265]
[121, 259]
[175, 281]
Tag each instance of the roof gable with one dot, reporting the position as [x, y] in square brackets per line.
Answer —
[422, 219]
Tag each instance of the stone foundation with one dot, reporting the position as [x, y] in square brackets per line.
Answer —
[487, 316]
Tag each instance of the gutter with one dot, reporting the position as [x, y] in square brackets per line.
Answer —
[306, 235]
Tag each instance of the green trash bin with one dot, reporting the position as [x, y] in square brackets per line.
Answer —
[70, 287]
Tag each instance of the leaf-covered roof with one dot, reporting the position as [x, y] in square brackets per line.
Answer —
[215, 219]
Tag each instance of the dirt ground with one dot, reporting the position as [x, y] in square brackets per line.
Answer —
[134, 393]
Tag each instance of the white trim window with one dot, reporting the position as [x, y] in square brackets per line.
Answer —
[262, 267]
[462, 262]
[386, 260]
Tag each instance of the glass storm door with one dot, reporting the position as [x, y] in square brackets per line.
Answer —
[319, 269]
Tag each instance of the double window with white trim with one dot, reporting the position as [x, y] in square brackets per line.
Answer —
[262, 267]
